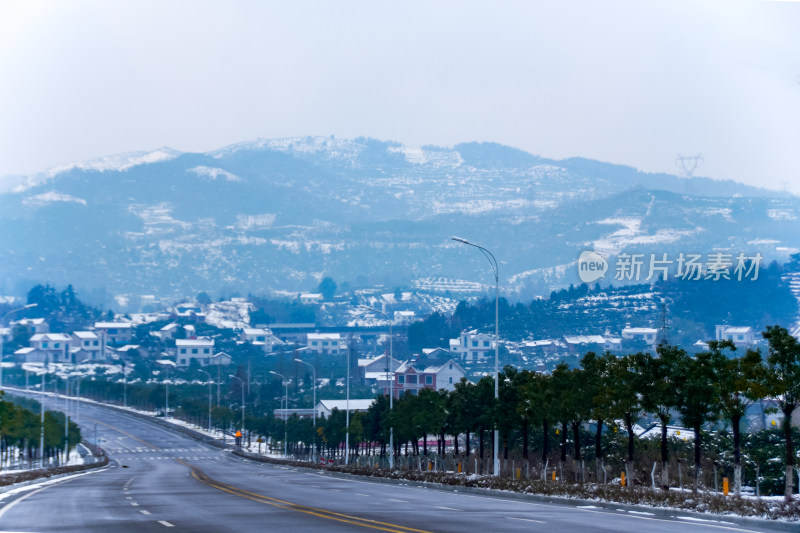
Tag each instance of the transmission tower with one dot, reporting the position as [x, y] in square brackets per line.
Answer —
[687, 165]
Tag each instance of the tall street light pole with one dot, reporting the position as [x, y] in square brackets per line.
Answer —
[390, 377]
[493, 262]
[314, 400]
[210, 382]
[347, 413]
[41, 434]
[285, 413]
[2, 337]
[240, 380]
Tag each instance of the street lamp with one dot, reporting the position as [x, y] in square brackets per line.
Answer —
[240, 380]
[210, 382]
[285, 413]
[493, 262]
[314, 390]
[390, 376]
[2, 325]
[166, 363]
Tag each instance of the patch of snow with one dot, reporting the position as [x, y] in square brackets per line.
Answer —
[116, 162]
[781, 214]
[250, 222]
[214, 173]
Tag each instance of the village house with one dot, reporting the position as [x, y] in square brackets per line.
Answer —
[47, 348]
[472, 346]
[325, 343]
[647, 335]
[310, 298]
[261, 337]
[86, 346]
[34, 325]
[741, 336]
[200, 350]
[374, 371]
[114, 332]
[411, 376]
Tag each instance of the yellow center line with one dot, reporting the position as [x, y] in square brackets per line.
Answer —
[137, 439]
[200, 476]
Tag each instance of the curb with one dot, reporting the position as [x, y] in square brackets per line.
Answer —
[44, 476]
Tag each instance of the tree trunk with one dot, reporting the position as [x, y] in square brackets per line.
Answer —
[545, 440]
[629, 427]
[480, 443]
[466, 445]
[424, 444]
[787, 432]
[737, 456]
[455, 444]
[525, 439]
[563, 443]
[598, 449]
[664, 454]
[696, 429]
[576, 426]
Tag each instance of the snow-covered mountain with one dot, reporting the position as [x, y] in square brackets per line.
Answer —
[279, 214]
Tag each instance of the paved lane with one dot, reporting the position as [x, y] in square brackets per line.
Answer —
[159, 480]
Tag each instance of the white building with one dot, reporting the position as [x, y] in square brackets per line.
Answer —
[201, 350]
[325, 343]
[261, 337]
[472, 346]
[54, 346]
[310, 298]
[404, 318]
[114, 332]
[168, 332]
[741, 336]
[325, 407]
[87, 345]
[35, 325]
[647, 335]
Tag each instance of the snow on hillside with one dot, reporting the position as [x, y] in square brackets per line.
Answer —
[116, 162]
[214, 173]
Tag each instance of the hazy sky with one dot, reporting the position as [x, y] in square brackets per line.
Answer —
[627, 82]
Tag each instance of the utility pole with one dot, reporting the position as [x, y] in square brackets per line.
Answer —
[41, 434]
[347, 412]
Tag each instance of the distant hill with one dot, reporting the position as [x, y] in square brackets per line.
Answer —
[280, 214]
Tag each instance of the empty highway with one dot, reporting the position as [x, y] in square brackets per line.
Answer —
[159, 480]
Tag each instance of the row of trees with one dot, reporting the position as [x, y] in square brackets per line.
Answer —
[714, 386]
[20, 431]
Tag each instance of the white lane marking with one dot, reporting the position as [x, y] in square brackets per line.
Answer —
[398, 501]
[446, 508]
[636, 517]
[165, 523]
[9, 506]
[360, 494]
[526, 520]
[135, 504]
[128, 498]
[144, 512]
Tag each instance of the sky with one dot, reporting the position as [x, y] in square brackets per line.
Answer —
[629, 82]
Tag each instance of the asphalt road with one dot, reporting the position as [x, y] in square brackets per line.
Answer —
[159, 481]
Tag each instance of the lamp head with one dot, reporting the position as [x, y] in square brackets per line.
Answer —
[460, 239]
